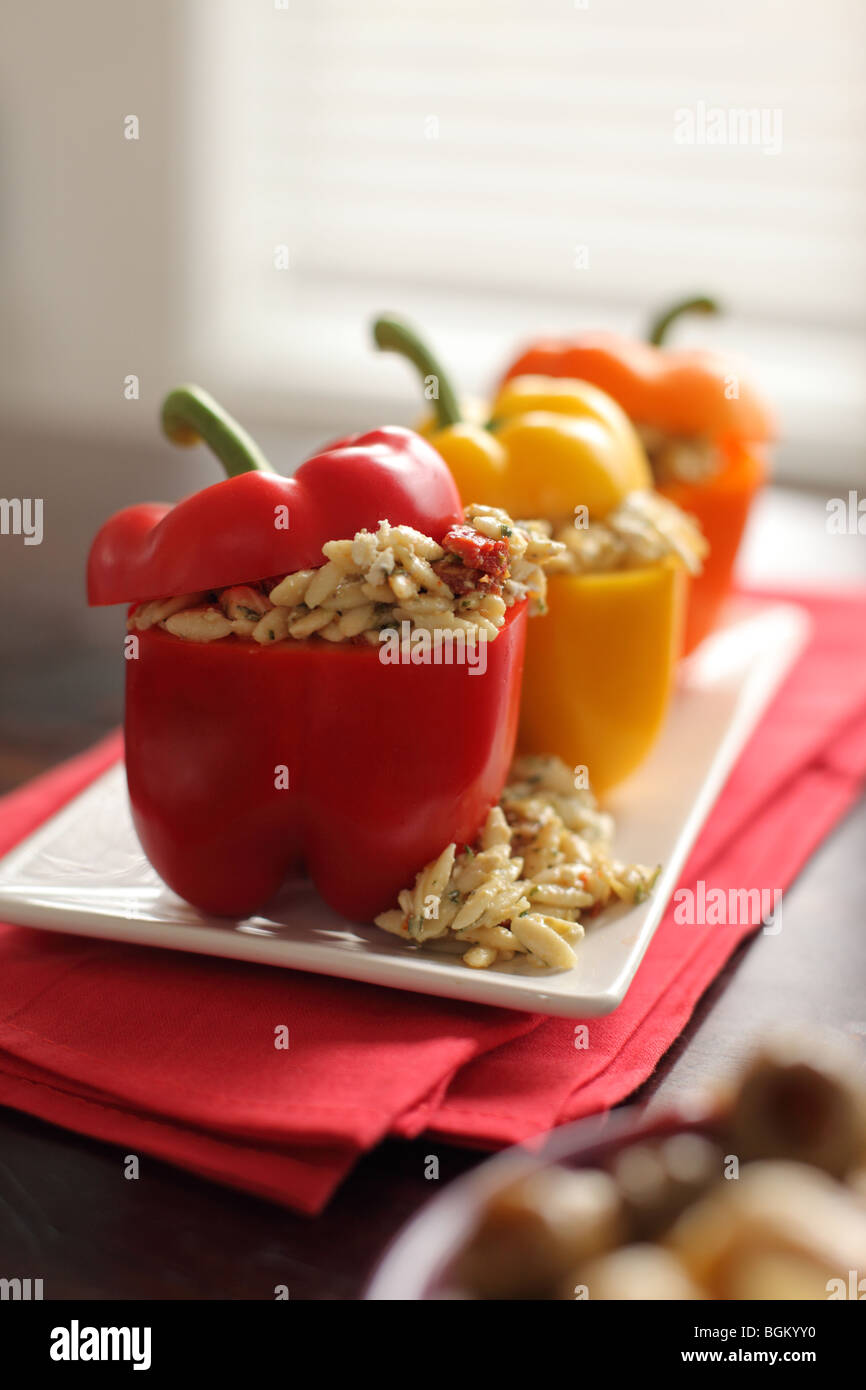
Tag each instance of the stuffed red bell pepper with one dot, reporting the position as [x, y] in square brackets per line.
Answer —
[291, 698]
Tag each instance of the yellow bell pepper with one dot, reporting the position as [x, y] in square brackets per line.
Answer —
[599, 669]
[550, 446]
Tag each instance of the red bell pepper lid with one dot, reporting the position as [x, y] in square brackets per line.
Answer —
[257, 523]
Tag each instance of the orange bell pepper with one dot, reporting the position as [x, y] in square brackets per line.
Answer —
[687, 396]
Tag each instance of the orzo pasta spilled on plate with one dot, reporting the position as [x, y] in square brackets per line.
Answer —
[542, 861]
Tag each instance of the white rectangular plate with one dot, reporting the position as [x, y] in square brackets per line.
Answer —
[84, 872]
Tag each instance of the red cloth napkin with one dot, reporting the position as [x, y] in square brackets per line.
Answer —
[174, 1054]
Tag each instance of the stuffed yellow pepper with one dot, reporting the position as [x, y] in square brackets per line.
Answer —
[599, 669]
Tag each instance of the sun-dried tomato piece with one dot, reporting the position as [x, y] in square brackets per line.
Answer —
[476, 551]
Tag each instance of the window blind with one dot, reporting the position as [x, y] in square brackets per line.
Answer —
[497, 168]
[603, 148]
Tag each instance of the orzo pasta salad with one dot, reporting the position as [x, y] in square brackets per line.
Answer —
[644, 529]
[679, 458]
[374, 581]
[542, 861]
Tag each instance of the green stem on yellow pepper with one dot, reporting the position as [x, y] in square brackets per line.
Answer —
[394, 335]
[660, 326]
[190, 414]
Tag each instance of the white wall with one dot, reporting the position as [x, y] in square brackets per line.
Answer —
[90, 259]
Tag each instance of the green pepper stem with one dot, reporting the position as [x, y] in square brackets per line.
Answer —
[394, 335]
[190, 414]
[661, 325]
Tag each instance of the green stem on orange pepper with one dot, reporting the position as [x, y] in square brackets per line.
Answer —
[395, 335]
[190, 414]
[661, 325]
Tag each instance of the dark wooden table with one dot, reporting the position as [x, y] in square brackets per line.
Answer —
[67, 1216]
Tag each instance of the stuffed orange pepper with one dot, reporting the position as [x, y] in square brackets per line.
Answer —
[563, 455]
[704, 426]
